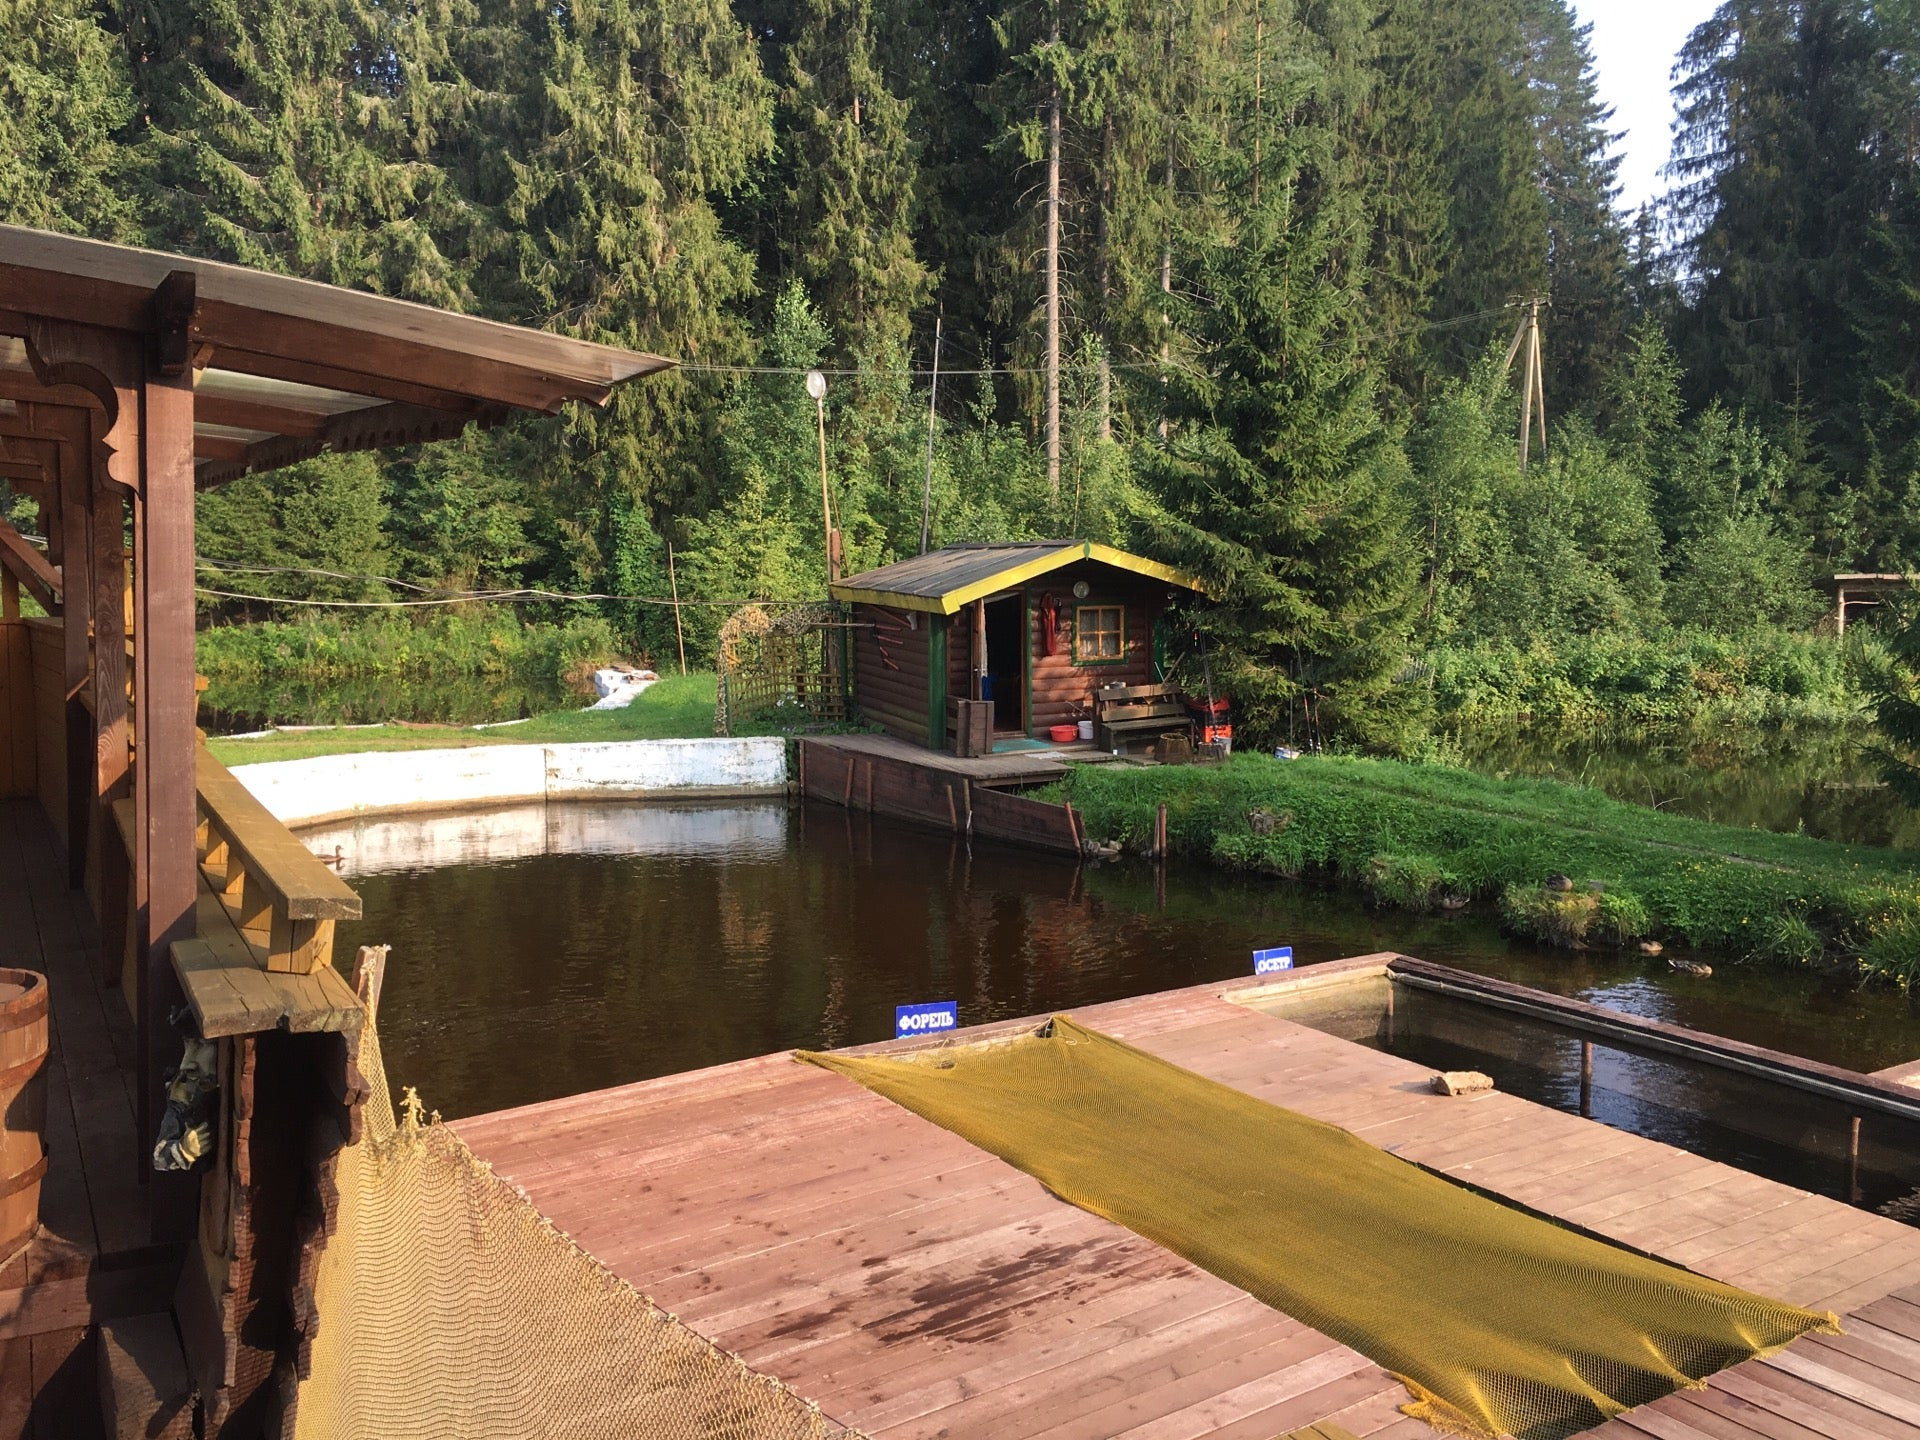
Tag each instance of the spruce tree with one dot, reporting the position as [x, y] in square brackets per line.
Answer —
[847, 163]
[66, 109]
[1272, 485]
[287, 137]
[1577, 165]
[1780, 151]
[593, 144]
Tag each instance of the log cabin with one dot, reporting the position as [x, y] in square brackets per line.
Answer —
[1033, 626]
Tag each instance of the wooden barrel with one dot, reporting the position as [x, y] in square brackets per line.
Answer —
[23, 1106]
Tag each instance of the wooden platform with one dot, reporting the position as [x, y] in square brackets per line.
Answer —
[1011, 767]
[916, 1286]
[91, 1260]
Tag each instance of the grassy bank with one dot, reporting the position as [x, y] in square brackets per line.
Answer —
[678, 707]
[1413, 836]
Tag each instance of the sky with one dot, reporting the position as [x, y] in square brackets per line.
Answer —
[1634, 45]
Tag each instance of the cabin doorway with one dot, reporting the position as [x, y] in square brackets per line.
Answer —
[1006, 663]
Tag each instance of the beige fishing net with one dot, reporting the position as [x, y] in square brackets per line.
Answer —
[447, 1306]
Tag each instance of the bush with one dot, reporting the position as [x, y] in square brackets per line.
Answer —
[1683, 677]
[396, 646]
[1407, 882]
[1554, 916]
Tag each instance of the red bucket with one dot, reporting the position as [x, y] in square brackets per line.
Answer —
[1061, 734]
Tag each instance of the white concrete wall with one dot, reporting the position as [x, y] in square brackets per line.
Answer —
[340, 787]
[375, 844]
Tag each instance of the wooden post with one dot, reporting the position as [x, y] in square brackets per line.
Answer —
[109, 739]
[1586, 1078]
[164, 798]
[678, 634]
[1853, 1162]
[76, 596]
[9, 596]
[979, 689]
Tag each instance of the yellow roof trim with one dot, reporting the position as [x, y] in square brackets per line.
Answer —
[953, 601]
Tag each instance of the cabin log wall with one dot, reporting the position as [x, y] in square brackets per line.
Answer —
[1060, 685]
[890, 670]
[19, 776]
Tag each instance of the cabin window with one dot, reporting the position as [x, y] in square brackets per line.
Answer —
[1099, 634]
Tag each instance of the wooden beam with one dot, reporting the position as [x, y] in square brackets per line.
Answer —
[256, 415]
[219, 447]
[344, 377]
[29, 567]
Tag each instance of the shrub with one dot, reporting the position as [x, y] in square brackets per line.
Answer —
[1407, 882]
[1557, 917]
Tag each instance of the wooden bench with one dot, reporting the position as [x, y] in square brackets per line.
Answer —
[1126, 712]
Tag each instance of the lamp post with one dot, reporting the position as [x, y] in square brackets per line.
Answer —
[817, 388]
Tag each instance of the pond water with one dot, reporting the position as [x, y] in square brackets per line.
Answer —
[1755, 1124]
[544, 951]
[1823, 782]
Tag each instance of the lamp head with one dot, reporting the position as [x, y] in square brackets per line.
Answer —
[816, 385]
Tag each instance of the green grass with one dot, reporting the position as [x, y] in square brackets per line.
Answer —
[1405, 832]
[679, 707]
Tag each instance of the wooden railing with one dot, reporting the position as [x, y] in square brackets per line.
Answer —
[280, 897]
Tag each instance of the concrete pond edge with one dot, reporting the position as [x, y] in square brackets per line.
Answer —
[328, 788]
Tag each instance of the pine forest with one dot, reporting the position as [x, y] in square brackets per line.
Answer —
[1267, 289]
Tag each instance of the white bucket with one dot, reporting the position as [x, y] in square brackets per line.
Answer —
[1086, 729]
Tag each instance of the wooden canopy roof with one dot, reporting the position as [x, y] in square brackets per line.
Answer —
[287, 368]
[945, 581]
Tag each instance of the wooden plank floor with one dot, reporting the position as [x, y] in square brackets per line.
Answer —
[91, 1258]
[916, 1286]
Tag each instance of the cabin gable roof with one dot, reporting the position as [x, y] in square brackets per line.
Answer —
[946, 581]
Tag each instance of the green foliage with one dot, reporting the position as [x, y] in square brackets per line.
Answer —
[267, 535]
[1407, 882]
[1675, 678]
[1274, 485]
[442, 644]
[1713, 886]
[66, 103]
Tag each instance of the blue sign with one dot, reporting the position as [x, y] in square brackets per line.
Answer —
[1272, 962]
[925, 1019]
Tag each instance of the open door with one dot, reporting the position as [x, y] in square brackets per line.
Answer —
[1006, 663]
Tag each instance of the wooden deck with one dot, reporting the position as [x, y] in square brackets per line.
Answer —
[92, 1259]
[916, 1286]
[1011, 767]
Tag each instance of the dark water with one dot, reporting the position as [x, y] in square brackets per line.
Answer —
[1741, 1120]
[542, 952]
[231, 707]
[1817, 781]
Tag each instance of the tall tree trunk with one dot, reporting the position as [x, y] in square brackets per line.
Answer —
[1106, 279]
[1053, 277]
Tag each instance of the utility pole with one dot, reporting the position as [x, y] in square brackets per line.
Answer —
[817, 388]
[1053, 273]
[933, 395]
[1533, 384]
